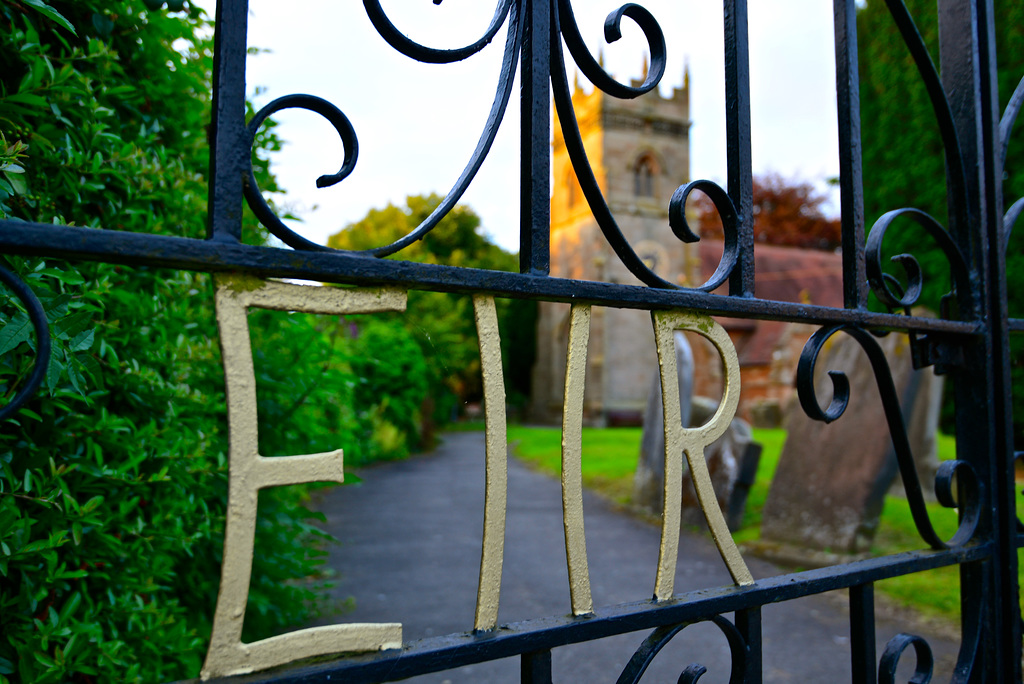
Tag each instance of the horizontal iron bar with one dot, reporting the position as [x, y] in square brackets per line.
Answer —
[1016, 324]
[141, 249]
[456, 650]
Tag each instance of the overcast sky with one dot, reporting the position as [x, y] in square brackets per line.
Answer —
[417, 124]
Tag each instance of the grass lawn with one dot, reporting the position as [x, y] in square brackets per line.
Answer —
[609, 459]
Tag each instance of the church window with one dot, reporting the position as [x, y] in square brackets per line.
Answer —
[643, 177]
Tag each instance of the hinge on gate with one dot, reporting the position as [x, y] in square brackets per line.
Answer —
[932, 349]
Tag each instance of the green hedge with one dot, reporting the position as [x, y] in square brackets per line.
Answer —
[113, 482]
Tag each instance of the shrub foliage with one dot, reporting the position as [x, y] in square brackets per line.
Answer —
[113, 482]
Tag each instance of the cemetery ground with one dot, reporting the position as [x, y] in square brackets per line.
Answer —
[610, 456]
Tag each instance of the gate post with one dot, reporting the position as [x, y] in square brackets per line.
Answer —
[982, 385]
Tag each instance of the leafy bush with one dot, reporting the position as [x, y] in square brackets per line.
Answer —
[113, 482]
[441, 323]
[391, 384]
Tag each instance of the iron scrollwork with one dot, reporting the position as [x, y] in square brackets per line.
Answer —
[968, 496]
[1005, 130]
[37, 316]
[564, 26]
[347, 133]
[891, 658]
[660, 638]
[884, 285]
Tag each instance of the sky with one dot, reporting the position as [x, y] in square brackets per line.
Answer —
[417, 124]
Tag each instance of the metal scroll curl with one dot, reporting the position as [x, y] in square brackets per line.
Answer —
[564, 25]
[43, 345]
[660, 637]
[1006, 125]
[345, 130]
[884, 285]
[730, 226]
[891, 659]
[1008, 120]
[968, 495]
[1010, 219]
[421, 53]
[940, 104]
[592, 68]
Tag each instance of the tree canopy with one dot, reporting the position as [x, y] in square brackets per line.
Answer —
[443, 324]
[786, 212]
[904, 164]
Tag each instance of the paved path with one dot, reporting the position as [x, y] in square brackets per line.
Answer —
[409, 551]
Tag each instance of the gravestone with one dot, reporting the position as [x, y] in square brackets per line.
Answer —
[649, 479]
[732, 462]
[923, 430]
[732, 458]
[831, 481]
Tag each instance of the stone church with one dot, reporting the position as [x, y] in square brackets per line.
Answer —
[639, 150]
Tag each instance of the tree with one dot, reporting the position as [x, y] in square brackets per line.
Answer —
[904, 164]
[443, 324]
[113, 482]
[785, 213]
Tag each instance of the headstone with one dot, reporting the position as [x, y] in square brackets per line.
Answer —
[728, 458]
[649, 479]
[831, 481]
[923, 430]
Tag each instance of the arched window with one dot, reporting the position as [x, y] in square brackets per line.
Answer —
[643, 177]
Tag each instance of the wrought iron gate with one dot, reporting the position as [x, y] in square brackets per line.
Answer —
[971, 346]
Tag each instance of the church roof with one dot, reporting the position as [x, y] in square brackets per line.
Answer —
[786, 274]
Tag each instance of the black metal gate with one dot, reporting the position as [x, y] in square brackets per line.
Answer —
[971, 345]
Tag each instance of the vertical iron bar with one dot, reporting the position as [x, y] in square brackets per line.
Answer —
[984, 420]
[536, 668]
[229, 147]
[862, 633]
[748, 622]
[851, 180]
[535, 140]
[737, 126]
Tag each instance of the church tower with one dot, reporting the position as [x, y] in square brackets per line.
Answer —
[639, 150]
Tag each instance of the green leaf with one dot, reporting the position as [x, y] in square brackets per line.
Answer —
[66, 277]
[55, 307]
[26, 98]
[69, 608]
[54, 371]
[76, 533]
[53, 14]
[82, 341]
[16, 331]
[69, 326]
[44, 659]
[75, 377]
